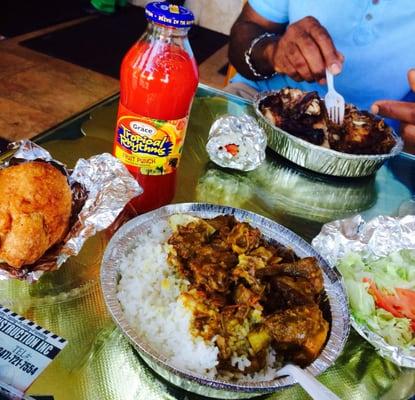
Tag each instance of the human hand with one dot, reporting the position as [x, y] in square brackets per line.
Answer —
[304, 52]
[402, 111]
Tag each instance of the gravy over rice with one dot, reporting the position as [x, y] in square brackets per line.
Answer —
[218, 299]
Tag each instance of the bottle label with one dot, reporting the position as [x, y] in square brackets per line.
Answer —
[146, 145]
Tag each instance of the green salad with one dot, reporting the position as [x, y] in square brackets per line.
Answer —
[382, 294]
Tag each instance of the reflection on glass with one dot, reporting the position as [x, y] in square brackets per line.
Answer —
[75, 278]
[296, 198]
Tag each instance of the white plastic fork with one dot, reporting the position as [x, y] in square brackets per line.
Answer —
[334, 101]
[308, 382]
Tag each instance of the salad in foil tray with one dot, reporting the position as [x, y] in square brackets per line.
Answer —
[377, 263]
[382, 294]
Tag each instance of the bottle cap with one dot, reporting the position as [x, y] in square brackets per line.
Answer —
[164, 13]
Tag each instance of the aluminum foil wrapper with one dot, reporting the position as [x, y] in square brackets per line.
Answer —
[101, 187]
[317, 158]
[374, 239]
[334, 304]
[237, 142]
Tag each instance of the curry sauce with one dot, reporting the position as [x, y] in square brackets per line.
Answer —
[248, 294]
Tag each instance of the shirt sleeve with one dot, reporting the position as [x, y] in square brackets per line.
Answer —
[410, 96]
[272, 10]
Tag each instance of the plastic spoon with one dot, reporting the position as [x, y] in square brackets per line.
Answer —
[308, 382]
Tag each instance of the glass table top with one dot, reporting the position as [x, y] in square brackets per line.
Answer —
[98, 362]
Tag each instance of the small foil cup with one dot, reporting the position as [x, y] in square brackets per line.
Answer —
[237, 142]
[317, 158]
[101, 187]
[374, 239]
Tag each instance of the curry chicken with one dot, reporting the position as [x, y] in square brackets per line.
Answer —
[248, 294]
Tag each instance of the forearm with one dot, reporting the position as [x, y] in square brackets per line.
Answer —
[243, 32]
[302, 50]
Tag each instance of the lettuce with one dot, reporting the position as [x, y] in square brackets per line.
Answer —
[395, 331]
[394, 271]
[360, 300]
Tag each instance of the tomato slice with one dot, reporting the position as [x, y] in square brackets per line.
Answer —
[400, 304]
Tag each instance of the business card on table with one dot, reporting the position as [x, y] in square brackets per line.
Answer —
[26, 349]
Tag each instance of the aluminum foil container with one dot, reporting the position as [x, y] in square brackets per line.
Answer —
[374, 239]
[106, 187]
[335, 304]
[317, 158]
[237, 142]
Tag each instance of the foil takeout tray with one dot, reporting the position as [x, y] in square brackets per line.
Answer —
[124, 240]
[317, 158]
[375, 239]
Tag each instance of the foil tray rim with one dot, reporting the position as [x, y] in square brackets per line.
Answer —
[333, 283]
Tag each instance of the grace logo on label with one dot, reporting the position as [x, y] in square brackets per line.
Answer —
[142, 128]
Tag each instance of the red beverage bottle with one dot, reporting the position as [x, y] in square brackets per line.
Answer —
[159, 79]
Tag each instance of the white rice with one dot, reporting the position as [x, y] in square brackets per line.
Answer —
[149, 293]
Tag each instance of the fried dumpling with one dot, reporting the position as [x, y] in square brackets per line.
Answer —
[35, 208]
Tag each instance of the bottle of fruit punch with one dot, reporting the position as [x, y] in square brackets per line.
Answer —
[159, 79]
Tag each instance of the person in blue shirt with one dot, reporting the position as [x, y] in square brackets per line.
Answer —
[367, 44]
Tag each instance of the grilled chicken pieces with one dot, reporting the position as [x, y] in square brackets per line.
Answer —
[35, 207]
[299, 113]
[247, 293]
[361, 133]
[304, 115]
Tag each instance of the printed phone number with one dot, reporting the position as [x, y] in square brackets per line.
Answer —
[17, 361]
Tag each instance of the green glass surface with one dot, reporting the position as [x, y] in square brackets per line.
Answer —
[99, 363]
